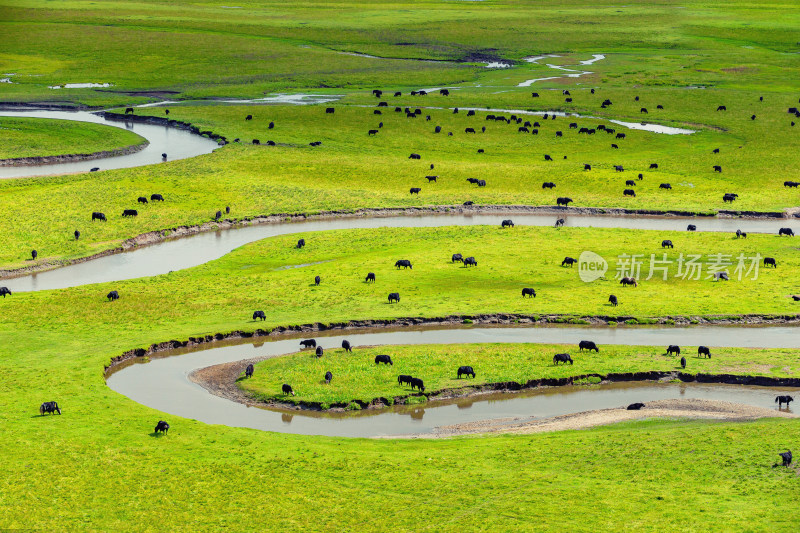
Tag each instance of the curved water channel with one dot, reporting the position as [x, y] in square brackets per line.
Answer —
[164, 384]
[201, 248]
[177, 144]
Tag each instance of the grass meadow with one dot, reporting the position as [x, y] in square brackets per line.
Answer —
[98, 466]
[357, 377]
[34, 137]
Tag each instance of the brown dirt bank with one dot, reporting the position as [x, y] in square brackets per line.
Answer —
[177, 232]
[675, 409]
[68, 158]
[162, 121]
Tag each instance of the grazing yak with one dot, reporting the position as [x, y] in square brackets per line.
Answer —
[34, 254]
[142, 200]
[5, 291]
[683, 362]
[218, 215]
[259, 314]
[703, 350]
[629, 192]
[729, 197]
[383, 358]
[673, 349]
[248, 372]
[404, 379]
[527, 291]
[653, 165]
[328, 377]
[128, 110]
[628, 281]
[613, 300]
[560, 222]
[587, 166]
[52, 407]
[770, 261]
[161, 427]
[722, 108]
[394, 297]
[635, 406]
[780, 400]
[417, 383]
[414, 190]
[113, 295]
[346, 346]
[465, 371]
[562, 358]
[372, 132]
[691, 227]
[666, 243]
[786, 457]
[329, 110]
[508, 223]
[469, 130]
[414, 156]
[129, 213]
[548, 185]
[287, 389]
[547, 157]
[786, 231]
[317, 280]
[792, 184]
[301, 243]
[249, 117]
[156, 198]
[370, 277]
[405, 263]
[717, 168]
[431, 178]
[588, 345]
[319, 352]
[665, 186]
[568, 261]
[437, 129]
[456, 257]
[481, 183]
[630, 183]
[470, 261]
[563, 200]
[308, 343]
[620, 136]
[619, 168]
[469, 202]
[94, 169]
[98, 216]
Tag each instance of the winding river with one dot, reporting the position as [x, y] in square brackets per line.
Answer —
[164, 383]
[177, 144]
[201, 248]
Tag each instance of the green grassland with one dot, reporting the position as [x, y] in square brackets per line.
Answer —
[97, 466]
[203, 49]
[86, 468]
[358, 378]
[352, 170]
[223, 294]
[36, 137]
